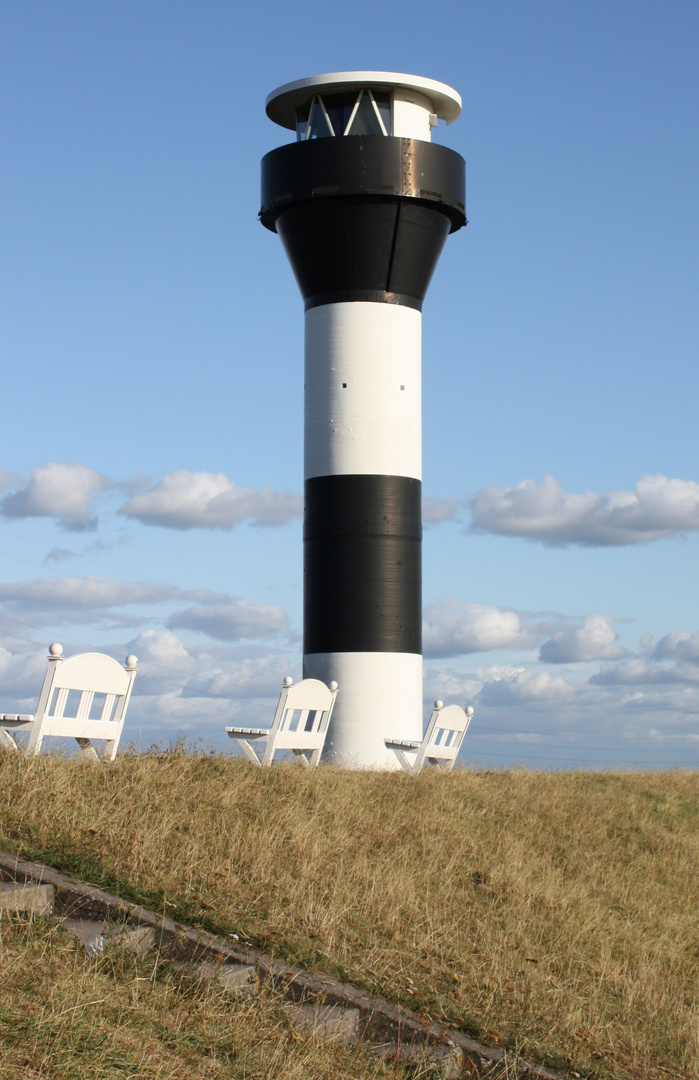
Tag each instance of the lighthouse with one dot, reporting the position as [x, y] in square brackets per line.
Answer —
[363, 202]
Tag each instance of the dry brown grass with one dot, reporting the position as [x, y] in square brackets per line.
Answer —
[551, 913]
[65, 1017]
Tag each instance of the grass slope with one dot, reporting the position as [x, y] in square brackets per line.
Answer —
[555, 914]
[66, 1017]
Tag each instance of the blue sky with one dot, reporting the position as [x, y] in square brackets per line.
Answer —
[152, 340]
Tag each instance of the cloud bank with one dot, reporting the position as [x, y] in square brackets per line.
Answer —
[453, 629]
[519, 686]
[90, 593]
[678, 645]
[594, 640]
[542, 511]
[65, 492]
[204, 500]
[231, 621]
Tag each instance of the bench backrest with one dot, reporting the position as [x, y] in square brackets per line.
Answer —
[444, 736]
[301, 720]
[67, 700]
[305, 706]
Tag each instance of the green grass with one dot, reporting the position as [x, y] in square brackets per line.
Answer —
[551, 913]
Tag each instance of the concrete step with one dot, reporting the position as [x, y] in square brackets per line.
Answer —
[233, 978]
[89, 932]
[141, 939]
[445, 1062]
[328, 1022]
[92, 933]
[17, 896]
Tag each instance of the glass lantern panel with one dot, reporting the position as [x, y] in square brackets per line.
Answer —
[302, 121]
[339, 108]
[318, 124]
[382, 99]
[366, 118]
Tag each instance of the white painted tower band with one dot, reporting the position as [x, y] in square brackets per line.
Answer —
[363, 382]
[382, 690]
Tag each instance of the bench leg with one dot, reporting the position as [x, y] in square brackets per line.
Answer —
[248, 751]
[36, 737]
[88, 750]
[404, 763]
[6, 740]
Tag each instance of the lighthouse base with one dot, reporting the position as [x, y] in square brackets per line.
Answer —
[379, 697]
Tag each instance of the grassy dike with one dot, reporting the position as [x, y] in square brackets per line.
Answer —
[64, 1017]
[553, 913]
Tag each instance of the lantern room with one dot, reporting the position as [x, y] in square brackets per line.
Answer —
[363, 103]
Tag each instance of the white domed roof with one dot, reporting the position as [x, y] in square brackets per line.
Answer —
[282, 103]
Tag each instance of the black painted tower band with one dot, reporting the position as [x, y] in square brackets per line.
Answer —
[362, 564]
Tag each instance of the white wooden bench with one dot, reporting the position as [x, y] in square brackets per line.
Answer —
[441, 743]
[67, 706]
[300, 724]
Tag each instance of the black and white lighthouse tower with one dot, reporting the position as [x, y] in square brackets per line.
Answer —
[363, 202]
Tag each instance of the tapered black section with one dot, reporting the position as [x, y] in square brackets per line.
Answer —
[384, 248]
[363, 217]
[362, 564]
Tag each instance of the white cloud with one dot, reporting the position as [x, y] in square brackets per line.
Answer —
[62, 491]
[661, 704]
[58, 554]
[231, 621]
[674, 660]
[92, 599]
[638, 672]
[164, 649]
[435, 511]
[522, 686]
[256, 677]
[450, 685]
[44, 594]
[198, 689]
[678, 646]
[189, 500]
[594, 640]
[22, 671]
[659, 507]
[453, 629]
